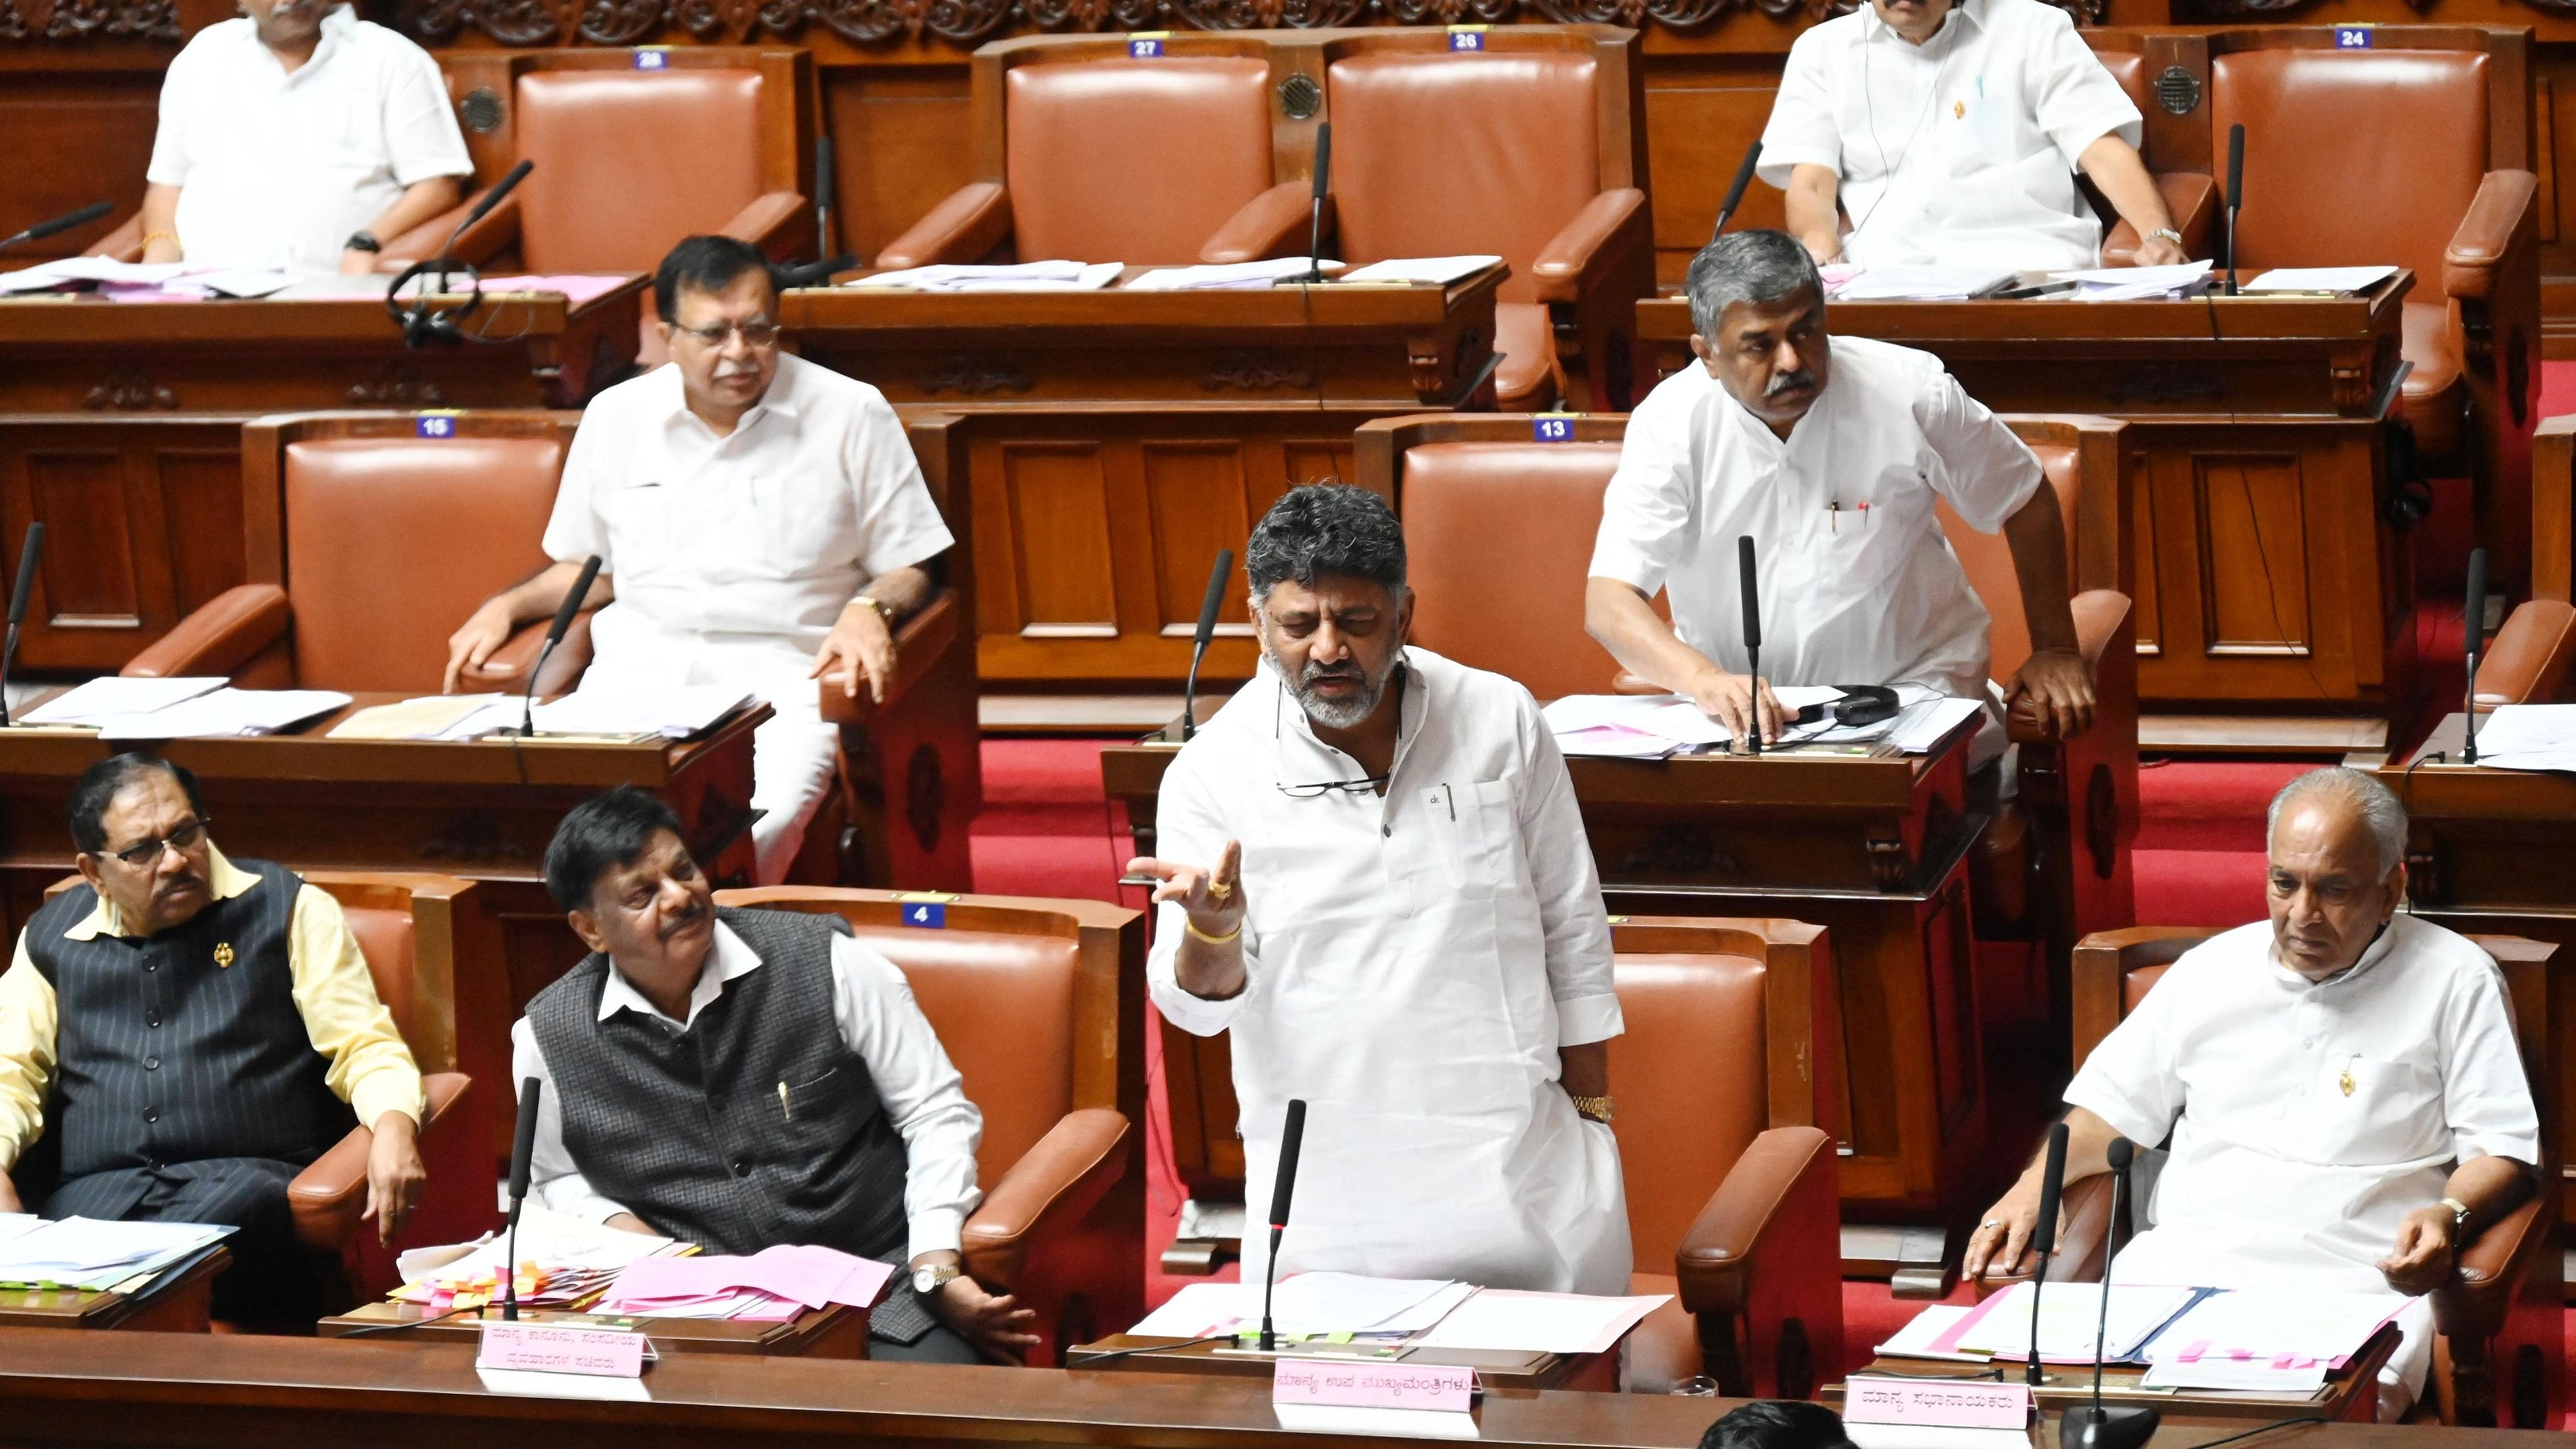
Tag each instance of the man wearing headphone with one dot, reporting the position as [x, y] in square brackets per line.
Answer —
[1949, 131]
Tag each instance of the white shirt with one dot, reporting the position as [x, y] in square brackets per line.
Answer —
[2277, 1174]
[276, 170]
[1961, 150]
[746, 545]
[872, 1004]
[1415, 961]
[1857, 582]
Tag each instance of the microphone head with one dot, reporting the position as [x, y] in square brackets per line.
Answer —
[1745, 576]
[507, 184]
[2121, 1152]
[26, 580]
[823, 180]
[2476, 619]
[571, 604]
[1291, 1137]
[2235, 164]
[1323, 158]
[531, 1090]
[68, 220]
[1214, 600]
[2052, 1187]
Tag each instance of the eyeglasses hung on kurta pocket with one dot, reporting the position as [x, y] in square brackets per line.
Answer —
[1366, 784]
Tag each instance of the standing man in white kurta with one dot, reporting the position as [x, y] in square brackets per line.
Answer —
[1830, 452]
[2346, 1103]
[298, 138]
[1375, 878]
[1949, 132]
[760, 522]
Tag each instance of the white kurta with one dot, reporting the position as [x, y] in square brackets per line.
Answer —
[1415, 961]
[276, 170]
[2277, 1176]
[734, 555]
[1858, 583]
[1958, 151]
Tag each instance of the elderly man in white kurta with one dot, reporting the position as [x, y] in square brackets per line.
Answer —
[760, 523]
[297, 137]
[1374, 877]
[2345, 1102]
[1830, 453]
[1949, 132]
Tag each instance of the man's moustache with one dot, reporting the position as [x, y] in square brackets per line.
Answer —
[683, 921]
[1782, 382]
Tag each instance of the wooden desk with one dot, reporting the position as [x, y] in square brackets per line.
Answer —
[832, 1331]
[2264, 576]
[120, 427]
[84, 1391]
[178, 1299]
[483, 811]
[2351, 1393]
[1396, 347]
[1589, 1372]
[1876, 851]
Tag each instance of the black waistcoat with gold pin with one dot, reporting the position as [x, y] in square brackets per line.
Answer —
[186, 1045]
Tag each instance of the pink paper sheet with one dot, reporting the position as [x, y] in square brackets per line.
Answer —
[806, 1274]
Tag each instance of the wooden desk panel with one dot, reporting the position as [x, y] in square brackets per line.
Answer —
[1591, 1372]
[2264, 577]
[2350, 1395]
[832, 1331]
[120, 428]
[1408, 347]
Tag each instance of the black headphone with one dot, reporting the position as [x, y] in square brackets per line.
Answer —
[424, 326]
[1861, 704]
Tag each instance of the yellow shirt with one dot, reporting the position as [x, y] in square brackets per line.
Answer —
[370, 1069]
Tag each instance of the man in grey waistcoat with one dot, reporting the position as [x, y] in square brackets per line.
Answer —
[745, 1078]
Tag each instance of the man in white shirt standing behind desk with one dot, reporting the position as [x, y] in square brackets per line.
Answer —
[1830, 452]
[298, 138]
[1376, 880]
[760, 521]
[1949, 131]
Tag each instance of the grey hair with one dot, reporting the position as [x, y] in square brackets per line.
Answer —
[1759, 267]
[2368, 798]
[1325, 528]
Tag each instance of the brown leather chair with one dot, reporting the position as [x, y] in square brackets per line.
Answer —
[2500, 1324]
[2191, 196]
[2527, 661]
[1084, 152]
[1040, 1003]
[1531, 147]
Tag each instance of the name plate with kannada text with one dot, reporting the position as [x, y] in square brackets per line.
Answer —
[549, 1348]
[1936, 1403]
[1373, 1385]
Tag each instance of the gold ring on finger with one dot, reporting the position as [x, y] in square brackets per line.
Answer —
[1219, 889]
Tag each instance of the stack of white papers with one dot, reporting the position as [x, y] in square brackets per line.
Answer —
[111, 696]
[66, 273]
[144, 281]
[1922, 284]
[95, 1255]
[225, 713]
[433, 717]
[1229, 276]
[1651, 726]
[1436, 270]
[625, 714]
[1497, 1318]
[1308, 1305]
[2068, 1313]
[2320, 279]
[2529, 737]
[1057, 276]
[2126, 284]
[2285, 1329]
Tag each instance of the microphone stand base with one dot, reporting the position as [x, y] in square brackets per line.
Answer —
[2107, 1427]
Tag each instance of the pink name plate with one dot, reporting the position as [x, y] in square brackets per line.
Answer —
[549, 1348]
[1944, 1405]
[1373, 1385]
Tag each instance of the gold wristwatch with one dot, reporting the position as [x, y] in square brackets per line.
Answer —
[1595, 1108]
[884, 610]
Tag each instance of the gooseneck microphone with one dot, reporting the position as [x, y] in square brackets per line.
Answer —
[2476, 631]
[1744, 575]
[2235, 197]
[423, 325]
[1199, 642]
[18, 588]
[1323, 185]
[564, 613]
[64, 222]
[1735, 189]
[531, 1091]
[2093, 1426]
[2043, 1239]
[1290, 1139]
[499, 193]
[824, 185]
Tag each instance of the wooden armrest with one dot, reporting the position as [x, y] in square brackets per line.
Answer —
[480, 242]
[2491, 1270]
[219, 637]
[2084, 1228]
[506, 671]
[1277, 223]
[2527, 663]
[1055, 1183]
[2191, 198]
[919, 641]
[971, 222]
[1776, 1206]
[1562, 265]
[2101, 619]
[777, 222]
[327, 1197]
[2503, 218]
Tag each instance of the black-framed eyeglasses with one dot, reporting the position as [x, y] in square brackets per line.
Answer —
[756, 334]
[1366, 784]
[184, 838]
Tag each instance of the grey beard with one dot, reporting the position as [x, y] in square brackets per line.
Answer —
[1344, 714]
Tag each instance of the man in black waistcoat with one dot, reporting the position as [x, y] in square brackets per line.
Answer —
[744, 1078]
[183, 1033]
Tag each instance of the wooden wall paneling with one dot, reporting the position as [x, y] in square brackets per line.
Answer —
[2248, 508]
[78, 129]
[1699, 120]
[898, 146]
[1197, 501]
[1059, 549]
[2140, 557]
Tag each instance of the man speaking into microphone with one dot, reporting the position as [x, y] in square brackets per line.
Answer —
[1374, 876]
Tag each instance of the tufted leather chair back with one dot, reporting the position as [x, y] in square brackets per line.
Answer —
[1498, 537]
[1691, 1077]
[1987, 557]
[1136, 161]
[1003, 1005]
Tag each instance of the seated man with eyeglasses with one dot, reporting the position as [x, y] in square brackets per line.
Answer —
[759, 520]
[1375, 878]
[183, 1033]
